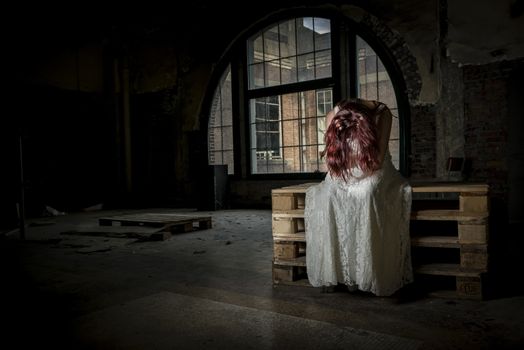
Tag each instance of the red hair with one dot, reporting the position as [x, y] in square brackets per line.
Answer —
[351, 140]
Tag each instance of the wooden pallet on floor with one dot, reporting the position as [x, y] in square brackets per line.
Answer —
[168, 223]
[468, 240]
[289, 261]
[466, 237]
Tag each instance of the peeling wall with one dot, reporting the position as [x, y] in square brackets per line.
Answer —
[484, 31]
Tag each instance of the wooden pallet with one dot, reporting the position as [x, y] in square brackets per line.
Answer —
[469, 237]
[168, 223]
[466, 237]
[289, 261]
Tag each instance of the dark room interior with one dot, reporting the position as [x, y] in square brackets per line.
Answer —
[121, 120]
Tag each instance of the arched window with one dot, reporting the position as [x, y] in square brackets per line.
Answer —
[294, 71]
[220, 129]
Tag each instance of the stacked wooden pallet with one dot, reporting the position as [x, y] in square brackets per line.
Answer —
[451, 240]
[459, 252]
[289, 240]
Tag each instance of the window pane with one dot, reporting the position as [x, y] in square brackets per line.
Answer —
[290, 130]
[227, 140]
[289, 70]
[371, 64]
[323, 64]
[321, 126]
[305, 35]
[255, 50]
[287, 133]
[291, 156]
[255, 168]
[309, 131]
[271, 44]
[260, 109]
[288, 46]
[216, 158]
[215, 139]
[310, 157]
[273, 111]
[375, 84]
[226, 102]
[256, 76]
[273, 73]
[275, 166]
[287, 53]
[324, 102]
[265, 133]
[322, 33]
[386, 93]
[306, 67]
[228, 159]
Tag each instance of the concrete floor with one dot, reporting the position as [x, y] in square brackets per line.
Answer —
[212, 289]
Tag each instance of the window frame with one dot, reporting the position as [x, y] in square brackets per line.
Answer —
[343, 82]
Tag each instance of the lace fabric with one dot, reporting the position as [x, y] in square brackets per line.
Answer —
[357, 232]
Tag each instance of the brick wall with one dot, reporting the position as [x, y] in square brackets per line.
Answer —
[400, 51]
[486, 122]
[423, 139]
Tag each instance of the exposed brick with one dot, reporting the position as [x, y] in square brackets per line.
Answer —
[486, 122]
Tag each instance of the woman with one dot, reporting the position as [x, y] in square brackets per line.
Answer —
[357, 219]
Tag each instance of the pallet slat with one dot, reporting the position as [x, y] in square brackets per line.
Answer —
[435, 241]
[447, 270]
[300, 261]
[293, 237]
[450, 215]
[426, 187]
[169, 223]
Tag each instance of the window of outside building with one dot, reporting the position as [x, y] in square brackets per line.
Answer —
[374, 83]
[284, 127]
[289, 91]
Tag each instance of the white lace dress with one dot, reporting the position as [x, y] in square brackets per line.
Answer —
[357, 233]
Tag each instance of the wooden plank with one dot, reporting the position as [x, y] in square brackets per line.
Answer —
[463, 187]
[205, 224]
[470, 287]
[283, 273]
[297, 213]
[472, 233]
[303, 282]
[435, 241]
[452, 294]
[300, 261]
[474, 256]
[290, 275]
[167, 223]
[449, 215]
[302, 188]
[151, 219]
[284, 225]
[285, 250]
[473, 203]
[286, 201]
[446, 270]
[294, 237]
[422, 187]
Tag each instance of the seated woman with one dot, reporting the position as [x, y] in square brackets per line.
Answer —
[357, 219]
